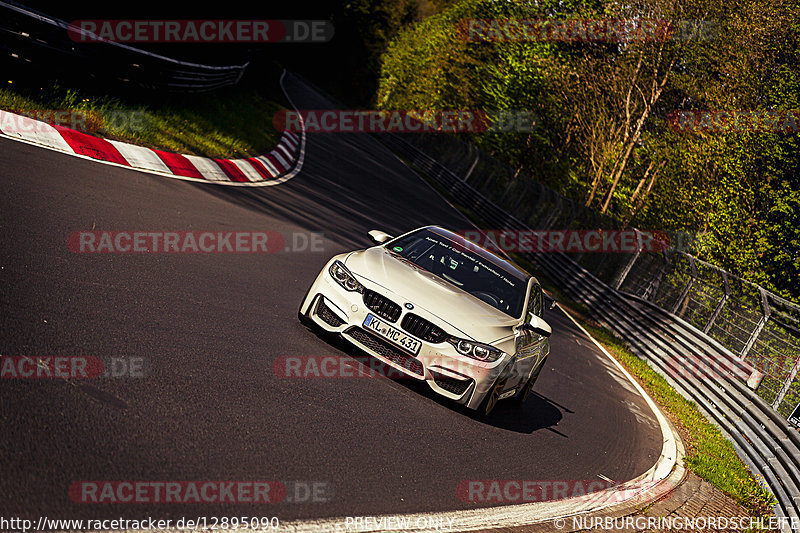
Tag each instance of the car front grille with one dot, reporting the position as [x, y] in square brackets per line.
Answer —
[419, 327]
[381, 305]
[456, 386]
[390, 352]
[327, 315]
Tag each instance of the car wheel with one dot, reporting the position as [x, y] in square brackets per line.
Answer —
[490, 400]
[522, 395]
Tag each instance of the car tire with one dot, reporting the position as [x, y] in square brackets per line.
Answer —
[490, 400]
[519, 398]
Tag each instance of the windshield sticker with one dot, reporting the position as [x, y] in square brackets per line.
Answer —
[472, 258]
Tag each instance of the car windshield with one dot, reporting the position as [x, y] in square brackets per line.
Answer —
[470, 269]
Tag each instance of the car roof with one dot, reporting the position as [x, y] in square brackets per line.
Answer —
[487, 255]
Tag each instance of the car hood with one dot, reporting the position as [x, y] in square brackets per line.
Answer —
[469, 317]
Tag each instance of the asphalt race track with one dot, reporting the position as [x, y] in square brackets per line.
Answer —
[209, 328]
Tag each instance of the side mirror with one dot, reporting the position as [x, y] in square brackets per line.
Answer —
[379, 236]
[538, 326]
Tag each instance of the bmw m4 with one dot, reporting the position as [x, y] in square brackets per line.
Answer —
[439, 309]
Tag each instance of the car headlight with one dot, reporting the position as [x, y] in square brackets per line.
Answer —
[344, 277]
[476, 350]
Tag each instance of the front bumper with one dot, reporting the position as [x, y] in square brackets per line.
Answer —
[448, 373]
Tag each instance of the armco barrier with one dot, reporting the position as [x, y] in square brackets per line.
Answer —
[30, 37]
[675, 348]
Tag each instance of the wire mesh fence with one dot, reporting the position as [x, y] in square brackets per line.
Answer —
[760, 330]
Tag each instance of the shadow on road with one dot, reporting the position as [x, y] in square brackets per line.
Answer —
[537, 413]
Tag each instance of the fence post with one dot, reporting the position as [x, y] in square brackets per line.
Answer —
[474, 163]
[786, 384]
[685, 293]
[552, 216]
[767, 311]
[721, 304]
[629, 266]
[655, 281]
[508, 188]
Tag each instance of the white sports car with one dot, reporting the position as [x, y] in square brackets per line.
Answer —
[437, 308]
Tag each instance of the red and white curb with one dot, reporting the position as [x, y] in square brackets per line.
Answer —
[278, 166]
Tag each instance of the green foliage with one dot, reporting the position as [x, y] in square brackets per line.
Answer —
[708, 453]
[736, 190]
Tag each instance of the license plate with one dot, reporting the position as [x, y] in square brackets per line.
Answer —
[392, 334]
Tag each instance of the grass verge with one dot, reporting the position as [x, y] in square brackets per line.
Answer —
[228, 123]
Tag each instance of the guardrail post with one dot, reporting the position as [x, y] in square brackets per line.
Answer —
[655, 281]
[721, 304]
[629, 266]
[786, 384]
[474, 163]
[508, 188]
[551, 215]
[767, 311]
[685, 292]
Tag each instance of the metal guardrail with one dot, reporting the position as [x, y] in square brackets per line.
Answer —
[758, 327]
[675, 347]
[28, 37]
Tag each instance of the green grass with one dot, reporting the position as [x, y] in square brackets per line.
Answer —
[232, 122]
